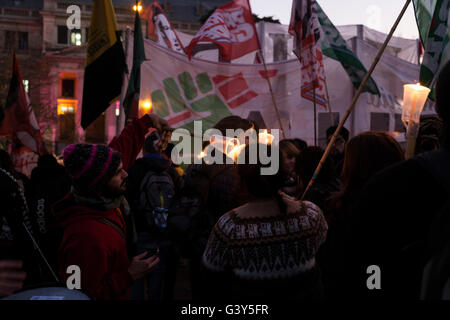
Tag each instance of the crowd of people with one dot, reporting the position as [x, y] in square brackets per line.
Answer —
[129, 223]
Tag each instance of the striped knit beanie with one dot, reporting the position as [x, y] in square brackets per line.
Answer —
[90, 165]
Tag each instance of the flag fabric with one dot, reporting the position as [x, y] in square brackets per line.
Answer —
[437, 45]
[19, 120]
[24, 159]
[424, 10]
[182, 91]
[258, 59]
[131, 100]
[159, 28]
[232, 28]
[334, 46]
[105, 63]
[305, 28]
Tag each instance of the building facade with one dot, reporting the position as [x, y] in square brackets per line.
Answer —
[52, 59]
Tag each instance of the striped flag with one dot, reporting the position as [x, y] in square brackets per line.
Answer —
[436, 40]
[424, 10]
[19, 120]
[232, 28]
[105, 65]
[159, 28]
[305, 28]
[334, 46]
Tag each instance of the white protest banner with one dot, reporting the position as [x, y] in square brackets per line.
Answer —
[182, 91]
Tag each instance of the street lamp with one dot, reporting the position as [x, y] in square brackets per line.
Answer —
[414, 98]
[146, 106]
[137, 7]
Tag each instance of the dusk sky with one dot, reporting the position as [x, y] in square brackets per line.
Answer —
[376, 14]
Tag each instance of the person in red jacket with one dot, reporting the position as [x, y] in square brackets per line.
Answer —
[92, 214]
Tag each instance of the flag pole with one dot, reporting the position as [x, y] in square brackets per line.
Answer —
[315, 113]
[120, 122]
[329, 104]
[271, 91]
[267, 76]
[355, 99]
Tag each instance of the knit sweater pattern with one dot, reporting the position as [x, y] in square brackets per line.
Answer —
[265, 248]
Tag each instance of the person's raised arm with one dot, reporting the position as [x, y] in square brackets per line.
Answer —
[131, 139]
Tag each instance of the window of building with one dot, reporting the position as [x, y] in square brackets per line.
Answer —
[200, 9]
[23, 40]
[62, 34]
[167, 6]
[10, 39]
[75, 37]
[379, 121]
[66, 112]
[87, 34]
[68, 88]
[62, 5]
[26, 85]
[399, 126]
[280, 50]
[184, 26]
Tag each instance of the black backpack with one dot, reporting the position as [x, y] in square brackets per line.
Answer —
[436, 274]
[156, 194]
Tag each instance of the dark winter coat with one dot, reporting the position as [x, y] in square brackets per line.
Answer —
[15, 242]
[49, 184]
[99, 248]
[389, 228]
[154, 163]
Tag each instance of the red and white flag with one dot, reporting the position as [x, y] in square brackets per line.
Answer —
[305, 28]
[159, 28]
[19, 120]
[232, 28]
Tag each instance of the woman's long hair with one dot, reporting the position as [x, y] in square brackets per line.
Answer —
[365, 155]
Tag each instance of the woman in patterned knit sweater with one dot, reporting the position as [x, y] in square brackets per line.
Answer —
[263, 250]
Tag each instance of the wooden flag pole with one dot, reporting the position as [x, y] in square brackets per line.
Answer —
[267, 76]
[271, 92]
[315, 113]
[355, 99]
[329, 104]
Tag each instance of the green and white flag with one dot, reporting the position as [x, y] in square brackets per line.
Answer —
[424, 10]
[437, 46]
[335, 47]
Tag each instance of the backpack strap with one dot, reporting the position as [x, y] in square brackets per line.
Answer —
[113, 225]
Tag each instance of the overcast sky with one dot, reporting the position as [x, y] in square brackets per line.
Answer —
[376, 14]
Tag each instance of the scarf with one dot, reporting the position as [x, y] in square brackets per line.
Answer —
[94, 200]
